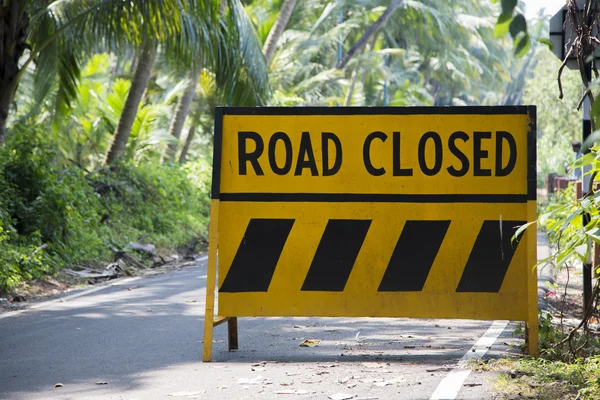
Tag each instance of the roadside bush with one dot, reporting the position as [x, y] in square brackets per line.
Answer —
[54, 214]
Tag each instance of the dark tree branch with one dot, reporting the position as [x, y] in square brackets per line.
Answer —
[369, 33]
[560, 71]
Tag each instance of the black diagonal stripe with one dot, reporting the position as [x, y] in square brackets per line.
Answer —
[257, 256]
[413, 256]
[336, 255]
[490, 257]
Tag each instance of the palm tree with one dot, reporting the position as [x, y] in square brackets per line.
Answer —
[138, 87]
[62, 32]
[241, 75]
[282, 20]
[418, 52]
[373, 29]
[181, 112]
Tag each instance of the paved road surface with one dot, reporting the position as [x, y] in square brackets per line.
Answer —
[143, 338]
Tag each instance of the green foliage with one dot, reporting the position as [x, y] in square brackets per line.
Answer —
[567, 371]
[55, 217]
[553, 215]
[450, 57]
[549, 380]
[564, 218]
[558, 121]
[511, 20]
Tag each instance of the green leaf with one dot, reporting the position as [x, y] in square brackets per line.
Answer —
[582, 250]
[548, 43]
[587, 159]
[590, 140]
[508, 6]
[517, 25]
[594, 233]
[502, 25]
[521, 229]
[595, 109]
[522, 45]
[571, 218]
[564, 256]
[543, 219]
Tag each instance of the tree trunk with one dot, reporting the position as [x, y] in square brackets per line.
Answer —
[129, 113]
[277, 30]
[188, 142]
[5, 100]
[348, 100]
[181, 113]
[370, 32]
[13, 26]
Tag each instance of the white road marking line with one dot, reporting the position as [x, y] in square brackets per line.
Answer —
[449, 387]
[44, 304]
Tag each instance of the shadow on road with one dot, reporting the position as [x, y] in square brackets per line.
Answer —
[123, 334]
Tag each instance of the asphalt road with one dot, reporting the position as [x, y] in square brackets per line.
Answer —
[142, 339]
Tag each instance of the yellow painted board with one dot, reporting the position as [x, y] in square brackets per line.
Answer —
[477, 141]
[395, 212]
[360, 296]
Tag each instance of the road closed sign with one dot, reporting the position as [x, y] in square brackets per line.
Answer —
[373, 212]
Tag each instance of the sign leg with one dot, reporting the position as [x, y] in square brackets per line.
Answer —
[232, 333]
[532, 338]
[211, 278]
[532, 298]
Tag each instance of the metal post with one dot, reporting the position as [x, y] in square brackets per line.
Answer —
[586, 186]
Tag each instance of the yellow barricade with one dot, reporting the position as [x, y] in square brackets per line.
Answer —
[373, 212]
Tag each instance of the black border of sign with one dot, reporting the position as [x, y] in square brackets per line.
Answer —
[455, 110]
[532, 153]
[215, 189]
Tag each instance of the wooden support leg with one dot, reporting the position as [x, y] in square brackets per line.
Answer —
[232, 331]
[532, 298]
[211, 277]
[532, 338]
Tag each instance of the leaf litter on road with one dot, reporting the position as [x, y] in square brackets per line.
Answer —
[257, 380]
[298, 392]
[186, 394]
[310, 343]
[341, 396]
[389, 382]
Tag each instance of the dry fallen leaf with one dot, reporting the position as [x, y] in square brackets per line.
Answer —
[186, 394]
[341, 396]
[292, 391]
[310, 343]
[254, 381]
[390, 382]
[445, 369]
[327, 365]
